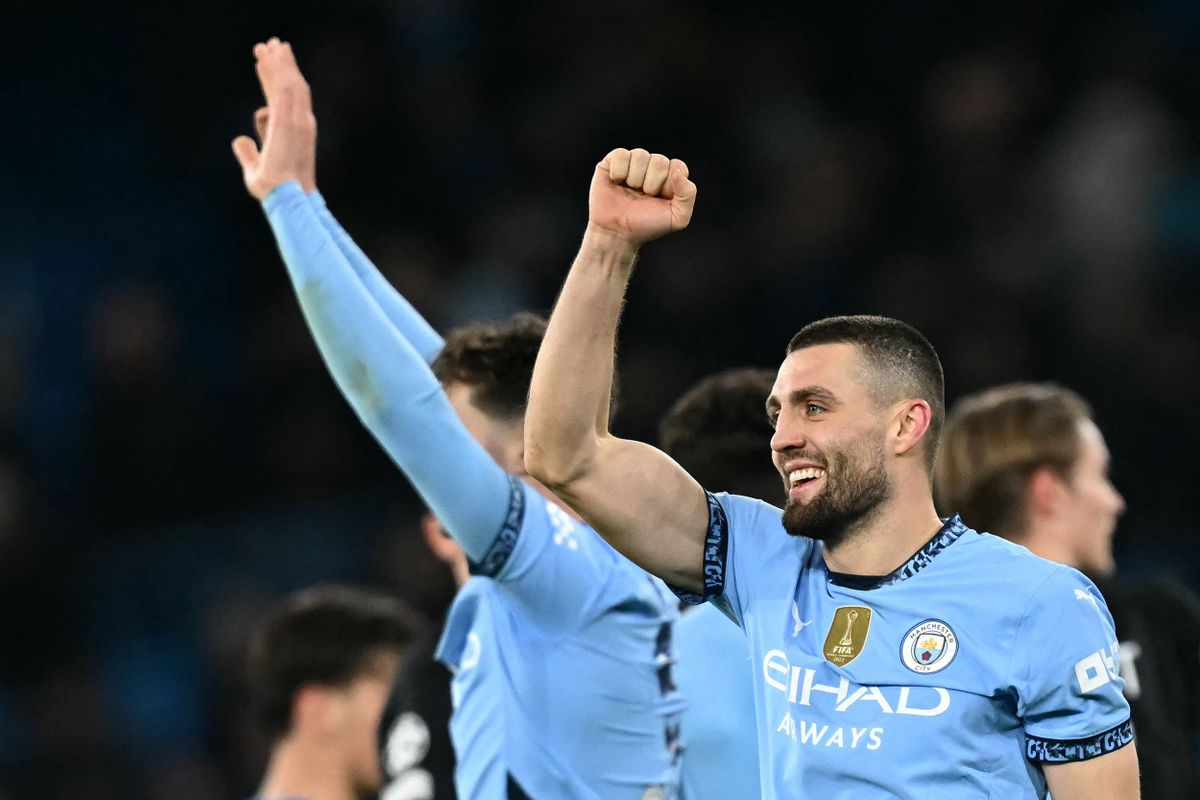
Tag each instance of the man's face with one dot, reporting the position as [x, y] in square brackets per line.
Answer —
[1092, 503]
[502, 439]
[829, 442]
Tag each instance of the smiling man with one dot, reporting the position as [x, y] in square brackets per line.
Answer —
[897, 654]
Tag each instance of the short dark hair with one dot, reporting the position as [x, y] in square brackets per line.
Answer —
[901, 363]
[995, 440]
[495, 360]
[325, 635]
[719, 432]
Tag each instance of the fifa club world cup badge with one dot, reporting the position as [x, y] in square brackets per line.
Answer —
[847, 634]
[929, 647]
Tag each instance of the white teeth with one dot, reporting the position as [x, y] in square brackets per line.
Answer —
[803, 474]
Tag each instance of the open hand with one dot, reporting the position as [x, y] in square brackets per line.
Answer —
[286, 126]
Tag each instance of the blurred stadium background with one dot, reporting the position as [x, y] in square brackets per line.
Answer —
[1020, 182]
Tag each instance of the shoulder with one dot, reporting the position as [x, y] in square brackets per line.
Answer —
[999, 560]
[755, 530]
[748, 517]
[1018, 583]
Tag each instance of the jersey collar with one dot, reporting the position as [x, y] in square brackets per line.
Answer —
[952, 528]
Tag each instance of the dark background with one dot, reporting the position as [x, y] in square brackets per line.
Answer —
[1021, 183]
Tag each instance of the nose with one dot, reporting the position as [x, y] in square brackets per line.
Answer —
[1120, 501]
[788, 435]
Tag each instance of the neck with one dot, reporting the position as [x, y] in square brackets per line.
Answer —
[461, 570]
[1043, 538]
[301, 771]
[885, 539]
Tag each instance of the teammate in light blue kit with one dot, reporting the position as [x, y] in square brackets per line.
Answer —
[715, 431]
[897, 655]
[561, 648]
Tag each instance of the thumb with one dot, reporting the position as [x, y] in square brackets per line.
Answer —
[683, 193]
[681, 188]
[246, 152]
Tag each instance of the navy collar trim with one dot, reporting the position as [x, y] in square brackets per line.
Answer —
[952, 528]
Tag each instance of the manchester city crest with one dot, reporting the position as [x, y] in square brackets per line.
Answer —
[929, 647]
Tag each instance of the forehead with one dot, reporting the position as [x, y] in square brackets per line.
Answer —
[834, 367]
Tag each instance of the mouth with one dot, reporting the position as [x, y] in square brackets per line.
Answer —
[805, 483]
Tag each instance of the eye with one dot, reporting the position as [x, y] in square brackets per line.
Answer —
[814, 409]
[773, 418]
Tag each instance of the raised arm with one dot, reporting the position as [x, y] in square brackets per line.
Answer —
[382, 376]
[406, 319]
[633, 494]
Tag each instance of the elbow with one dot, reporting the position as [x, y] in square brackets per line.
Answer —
[556, 468]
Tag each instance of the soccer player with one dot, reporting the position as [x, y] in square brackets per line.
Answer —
[715, 432]
[319, 670]
[560, 647]
[932, 661]
[1027, 462]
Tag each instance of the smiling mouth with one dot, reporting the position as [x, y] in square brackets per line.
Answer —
[803, 477]
[805, 482]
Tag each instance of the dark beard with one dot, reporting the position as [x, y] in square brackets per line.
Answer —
[861, 486]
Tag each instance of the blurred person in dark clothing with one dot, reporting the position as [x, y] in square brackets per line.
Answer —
[319, 671]
[715, 431]
[414, 739]
[1027, 462]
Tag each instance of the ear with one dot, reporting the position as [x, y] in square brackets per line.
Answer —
[1045, 491]
[911, 423]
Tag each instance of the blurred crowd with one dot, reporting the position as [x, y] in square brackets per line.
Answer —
[1020, 182]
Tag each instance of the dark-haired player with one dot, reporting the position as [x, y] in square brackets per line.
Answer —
[897, 654]
[1027, 462]
[560, 647]
[715, 431]
[319, 670]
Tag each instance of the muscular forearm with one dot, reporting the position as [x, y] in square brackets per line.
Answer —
[572, 381]
[406, 319]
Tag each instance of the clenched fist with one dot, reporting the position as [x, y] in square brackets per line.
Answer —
[286, 127]
[640, 197]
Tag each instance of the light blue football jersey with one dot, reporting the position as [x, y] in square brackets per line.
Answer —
[956, 676]
[720, 738]
[562, 657]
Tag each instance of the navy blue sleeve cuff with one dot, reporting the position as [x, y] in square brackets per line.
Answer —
[1062, 751]
[716, 547]
[506, 540]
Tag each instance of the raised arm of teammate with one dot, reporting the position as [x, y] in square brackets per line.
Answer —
[406, 319]
[633, 494]
[382, 373]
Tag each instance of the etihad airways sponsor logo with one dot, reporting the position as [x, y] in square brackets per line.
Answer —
[801, 688]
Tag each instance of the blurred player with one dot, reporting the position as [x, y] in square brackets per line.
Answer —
[414, 739]
[897, 654]
[319, 671]
[715, 432]
[560, 647]
[1027, 462]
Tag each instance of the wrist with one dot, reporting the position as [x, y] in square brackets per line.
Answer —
[609, 245]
